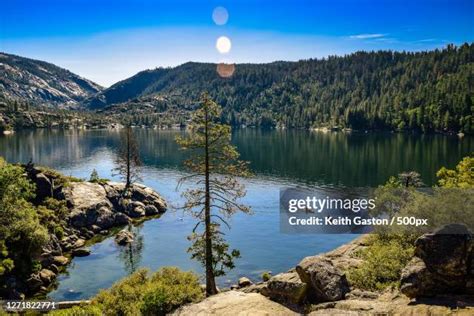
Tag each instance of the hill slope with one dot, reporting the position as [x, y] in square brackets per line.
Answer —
[39, 82]
[424, 91]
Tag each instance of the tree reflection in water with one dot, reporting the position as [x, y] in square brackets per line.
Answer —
[131, 254]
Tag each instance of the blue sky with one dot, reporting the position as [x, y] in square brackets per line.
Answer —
[107, 41]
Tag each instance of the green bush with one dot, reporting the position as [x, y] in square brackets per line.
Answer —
[86, 310]
[58, 206]
[59, 232]
[158, 294]
[100, 181]
[383, 261]
[20, 228]
[125, 296]
[170, 289]
[461, 177]
[392, 247]
[266, 276]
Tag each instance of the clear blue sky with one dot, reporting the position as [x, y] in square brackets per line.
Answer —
[107, 41]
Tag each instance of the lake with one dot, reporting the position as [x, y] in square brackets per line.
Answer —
[278, 159]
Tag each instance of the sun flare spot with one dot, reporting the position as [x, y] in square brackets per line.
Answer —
[223, 44]
[220, 15]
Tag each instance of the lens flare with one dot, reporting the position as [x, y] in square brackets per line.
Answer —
[223, 44]
[225, 70]
[220, 15]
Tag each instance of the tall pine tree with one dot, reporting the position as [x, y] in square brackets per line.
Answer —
[214, 165]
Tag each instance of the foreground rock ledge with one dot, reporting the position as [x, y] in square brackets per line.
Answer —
[235, 303]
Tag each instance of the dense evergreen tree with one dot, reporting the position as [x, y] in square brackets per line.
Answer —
[214, 166]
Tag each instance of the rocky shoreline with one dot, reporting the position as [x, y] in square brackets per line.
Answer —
[438, 281]
[93, 210]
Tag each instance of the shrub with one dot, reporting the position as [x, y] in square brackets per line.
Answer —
[461, 177]
[94, 176]
[86, 310]
[383, 262]
[125, 296]
[266, 276]
[58, 206]
[159, 294]
[20, 228]
[170, 289]
[59, 232]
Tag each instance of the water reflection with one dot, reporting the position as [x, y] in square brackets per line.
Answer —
[334, 159]
[131, 254]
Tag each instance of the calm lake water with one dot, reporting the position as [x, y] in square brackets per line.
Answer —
[278, 159]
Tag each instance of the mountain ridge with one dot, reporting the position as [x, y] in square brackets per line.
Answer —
[424, 91]
[42, 83]
[429, 91]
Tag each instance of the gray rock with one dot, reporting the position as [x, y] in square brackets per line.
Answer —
[243, 282]
[53, 246]
[442, 264]
[256, 288]
[325, 281]
[78, 243]
[446, 251]
[46, 259]
[147, 195]
[47, 276]
[417, 280]
[121, 219]
[60, 260]
[135, 209]
[86, 195]
[34, 282]
[286, 288]
[235, 303]
[81, 252]
[96, 229]
[151, 210]
[91, 216]
[105, 218]
[54, 268]
[124, 237]
[44, 187]
[87, 234]
[43, 290]
[78, 218]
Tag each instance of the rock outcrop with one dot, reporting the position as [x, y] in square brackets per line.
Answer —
[92, 208]
[325, 281]
[315, 279]
[98, 207]
[286, 288]
[235, 303]
[39, 82]
[443, 264]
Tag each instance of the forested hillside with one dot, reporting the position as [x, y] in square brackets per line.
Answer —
[425, 91]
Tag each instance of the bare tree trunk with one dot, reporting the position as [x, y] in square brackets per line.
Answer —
[210, 279]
